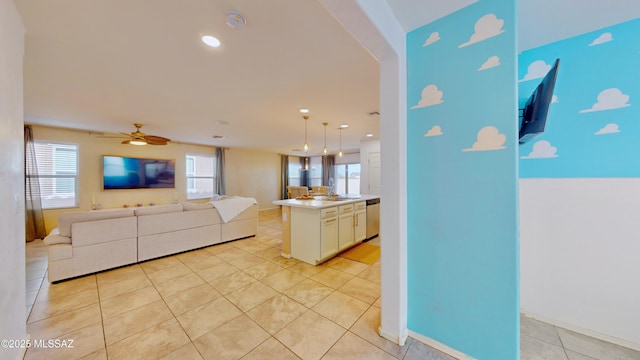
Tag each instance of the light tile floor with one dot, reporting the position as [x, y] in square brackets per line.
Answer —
[241, 300]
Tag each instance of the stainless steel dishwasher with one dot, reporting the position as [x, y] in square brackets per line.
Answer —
[373, 217]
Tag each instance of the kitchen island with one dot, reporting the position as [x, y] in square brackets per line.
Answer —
[316, 229]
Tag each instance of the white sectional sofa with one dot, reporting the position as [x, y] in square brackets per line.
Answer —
[90, 241]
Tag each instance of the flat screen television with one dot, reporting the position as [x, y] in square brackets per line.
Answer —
[120, 173]
[534, 114]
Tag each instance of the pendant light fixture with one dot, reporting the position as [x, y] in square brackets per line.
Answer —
[325, 151]
[305, 147]
[340, 151]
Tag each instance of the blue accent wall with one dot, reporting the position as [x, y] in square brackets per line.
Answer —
[593, 129]
[463, 255]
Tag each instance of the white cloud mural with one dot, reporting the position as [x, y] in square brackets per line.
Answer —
[554, 99]
[486, 27]
[430, 96]
[538, 69]
[609, 99]
[491, 62]
[608, 129]
[489, 138]
[542, 150]
[434, 131]
[605, 37]
[433, 37]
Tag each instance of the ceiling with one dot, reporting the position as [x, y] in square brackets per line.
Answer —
[104, 65]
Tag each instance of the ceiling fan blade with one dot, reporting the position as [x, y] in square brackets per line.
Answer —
[125, 142]
[153, 138]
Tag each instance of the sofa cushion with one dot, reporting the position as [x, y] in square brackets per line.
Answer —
[158, 209]
[193, 206]
[66, 219]
[171, 222]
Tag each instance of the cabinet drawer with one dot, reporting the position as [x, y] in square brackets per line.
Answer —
[361, 205]
[345, 208]
[328, 212]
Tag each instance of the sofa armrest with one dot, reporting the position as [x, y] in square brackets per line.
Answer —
[54, 237]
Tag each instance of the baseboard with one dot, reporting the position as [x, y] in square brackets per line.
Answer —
[400, 340]
[440, 346]
[583, 331]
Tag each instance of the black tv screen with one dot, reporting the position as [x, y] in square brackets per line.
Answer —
[136, 173]
[534, 114]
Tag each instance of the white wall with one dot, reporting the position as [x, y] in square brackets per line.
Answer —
[579, 255]
[249, 173]
[254, 174]
[12, 242]
[367, 147]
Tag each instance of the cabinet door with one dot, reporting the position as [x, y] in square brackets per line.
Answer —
[345, 229]
[328, 237]
[360, 226]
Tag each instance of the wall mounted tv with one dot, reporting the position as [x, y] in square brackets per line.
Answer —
[136, 173]
[534, 114]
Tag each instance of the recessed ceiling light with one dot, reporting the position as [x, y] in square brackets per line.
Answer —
[344, 126]
[211, 41]
[222, 122]
[369, 135]
[304, 110]
[219, 137]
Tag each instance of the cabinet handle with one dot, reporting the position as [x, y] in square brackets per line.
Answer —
[330, 220]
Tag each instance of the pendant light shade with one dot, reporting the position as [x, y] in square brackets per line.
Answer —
[340, 151]
[305, 147]
[325, 151]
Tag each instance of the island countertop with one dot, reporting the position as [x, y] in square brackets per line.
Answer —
[320, 202]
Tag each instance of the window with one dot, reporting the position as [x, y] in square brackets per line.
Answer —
[347, 178]
[294, 171]
[200, 172]
[315, 171]
[58, 174]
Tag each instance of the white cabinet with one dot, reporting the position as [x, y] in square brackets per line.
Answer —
[328, 237]
[345, 226]
[360, 222]
[317, 234]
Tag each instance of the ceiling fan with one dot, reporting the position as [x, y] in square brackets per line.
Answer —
[139, 138]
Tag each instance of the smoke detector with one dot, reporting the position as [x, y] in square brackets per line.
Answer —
[235, 20]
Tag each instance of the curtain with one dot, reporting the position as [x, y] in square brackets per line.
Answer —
[328, 164]
[34, 217]
[284, 176]
[220, 173]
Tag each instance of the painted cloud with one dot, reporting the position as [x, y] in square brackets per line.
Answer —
[489, 138]
[554, 99]
[538, 69]
[491, 62]
[486, 27]
[609, 99]
[605, 37]
[433, 37]
[434, 131]
[541, 150]
[608, 129]
[430, 96]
